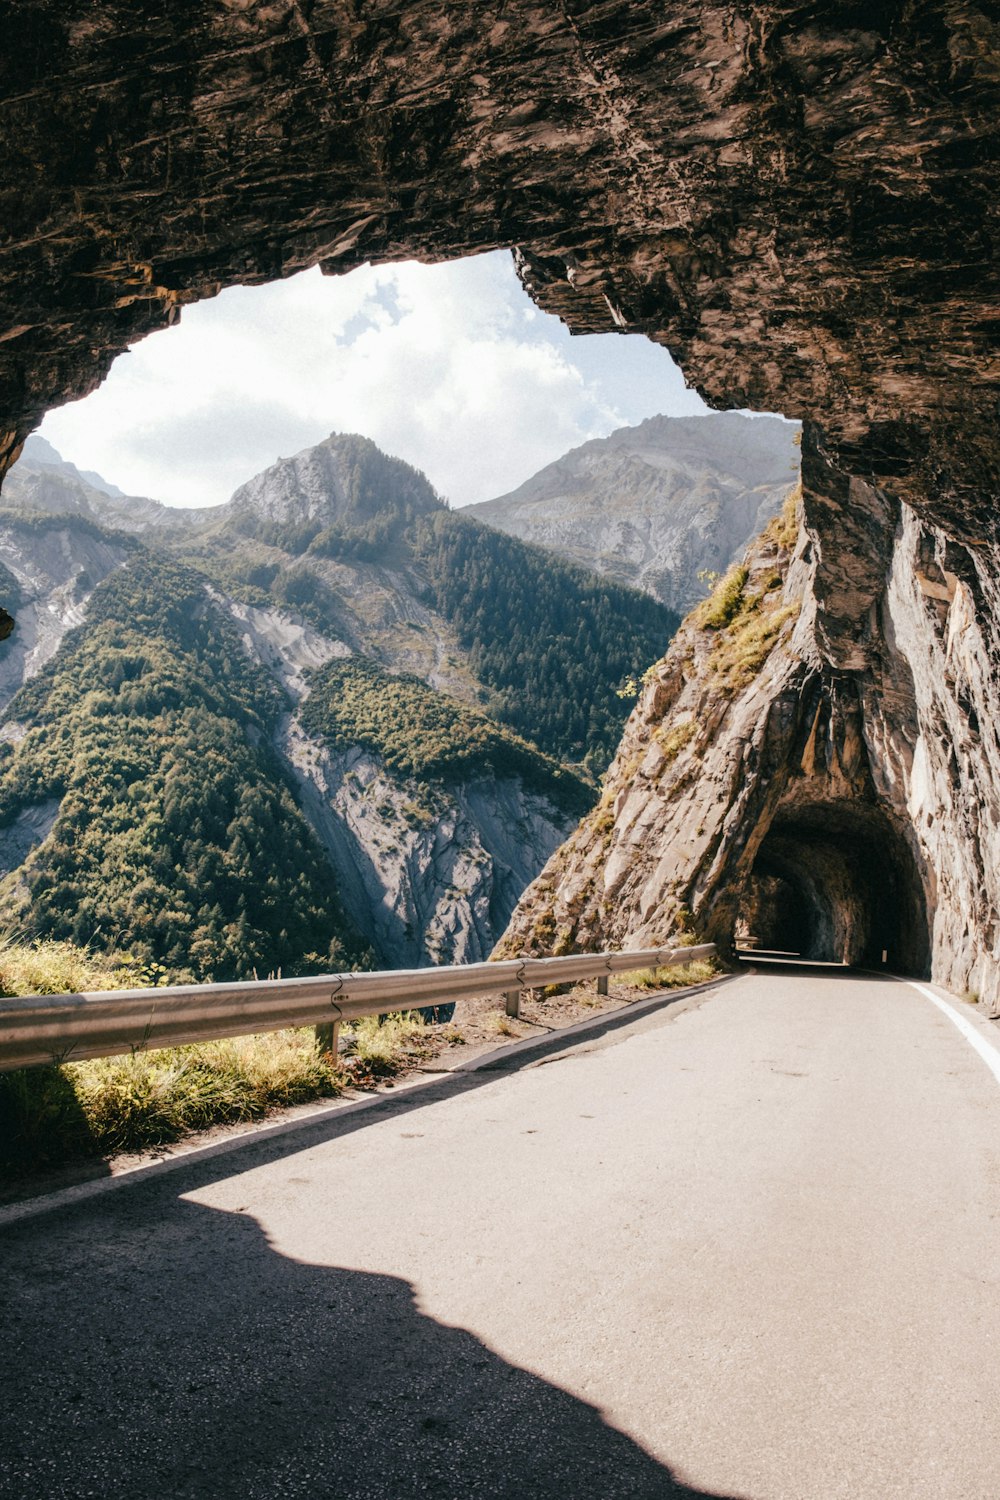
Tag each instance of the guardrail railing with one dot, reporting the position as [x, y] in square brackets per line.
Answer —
[38, 1029]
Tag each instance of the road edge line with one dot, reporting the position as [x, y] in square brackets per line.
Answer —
[989, 1054]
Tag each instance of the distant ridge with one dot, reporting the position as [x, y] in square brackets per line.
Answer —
[43, 481]
[653, 505]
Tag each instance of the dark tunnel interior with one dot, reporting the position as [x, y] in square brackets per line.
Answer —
[836, 882]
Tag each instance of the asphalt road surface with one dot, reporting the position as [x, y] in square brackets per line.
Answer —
[751, 1250]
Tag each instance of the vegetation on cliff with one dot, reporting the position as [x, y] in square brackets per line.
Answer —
[550, 639]
[749, 611]
[665, 774]
[425, 735]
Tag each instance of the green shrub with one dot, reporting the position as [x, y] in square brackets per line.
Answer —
[382, 1047]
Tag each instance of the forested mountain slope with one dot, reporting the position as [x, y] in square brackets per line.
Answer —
[144, 744]
[282, 733]
[656, 505]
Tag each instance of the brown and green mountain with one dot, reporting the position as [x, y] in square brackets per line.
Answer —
[329, 716]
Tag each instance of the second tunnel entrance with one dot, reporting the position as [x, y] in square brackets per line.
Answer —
[836, 882]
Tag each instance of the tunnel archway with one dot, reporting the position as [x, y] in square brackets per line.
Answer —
[837, 882]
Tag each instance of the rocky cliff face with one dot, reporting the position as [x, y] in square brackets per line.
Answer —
[814, 763]
[49, 573]
[428, 874]
[658, 504]
[799, 201]
[426, 878]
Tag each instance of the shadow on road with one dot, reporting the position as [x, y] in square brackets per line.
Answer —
[158, 1348]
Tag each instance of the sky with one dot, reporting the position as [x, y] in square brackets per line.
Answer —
[450, 367]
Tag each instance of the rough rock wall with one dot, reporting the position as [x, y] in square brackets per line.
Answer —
[423, 884]
[798, 199]
[837, 734]
[427, 874]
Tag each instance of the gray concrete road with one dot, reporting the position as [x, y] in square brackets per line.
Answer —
[750, 1250]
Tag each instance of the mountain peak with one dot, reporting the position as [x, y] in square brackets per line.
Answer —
[44, 482]
[39, 451]
[344, 480]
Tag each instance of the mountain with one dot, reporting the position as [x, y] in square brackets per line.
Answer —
[655, 505]
[39, 453]
[362, 548]
[328, 717]
[42, 481]
[141, 800]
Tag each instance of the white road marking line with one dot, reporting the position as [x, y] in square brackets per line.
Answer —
[989, 1055]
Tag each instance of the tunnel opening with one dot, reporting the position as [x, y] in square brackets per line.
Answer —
[837, 883]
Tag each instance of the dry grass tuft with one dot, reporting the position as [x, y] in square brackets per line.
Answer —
[740, 653]
[722, 604]
[500, 1024]
[382, 1050]
[784, 528]
[108, 1105]
[51, 968]
[672, 741]
[674, 977]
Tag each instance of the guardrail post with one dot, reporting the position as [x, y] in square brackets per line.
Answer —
[328, 1032]
[513, 1002]
[602, 984]
[328, 1037]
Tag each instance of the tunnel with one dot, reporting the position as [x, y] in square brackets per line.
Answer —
[837, 882]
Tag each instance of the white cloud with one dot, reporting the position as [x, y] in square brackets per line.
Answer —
[448, 366]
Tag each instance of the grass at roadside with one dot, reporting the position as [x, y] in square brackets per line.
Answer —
[676, 977]
[76, 1111]
[57, 968]
[108, 1105]
[380, 1051]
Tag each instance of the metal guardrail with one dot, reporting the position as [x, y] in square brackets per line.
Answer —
[37, 1029]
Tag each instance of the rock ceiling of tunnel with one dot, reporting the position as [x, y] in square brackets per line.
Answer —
[798, 200]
